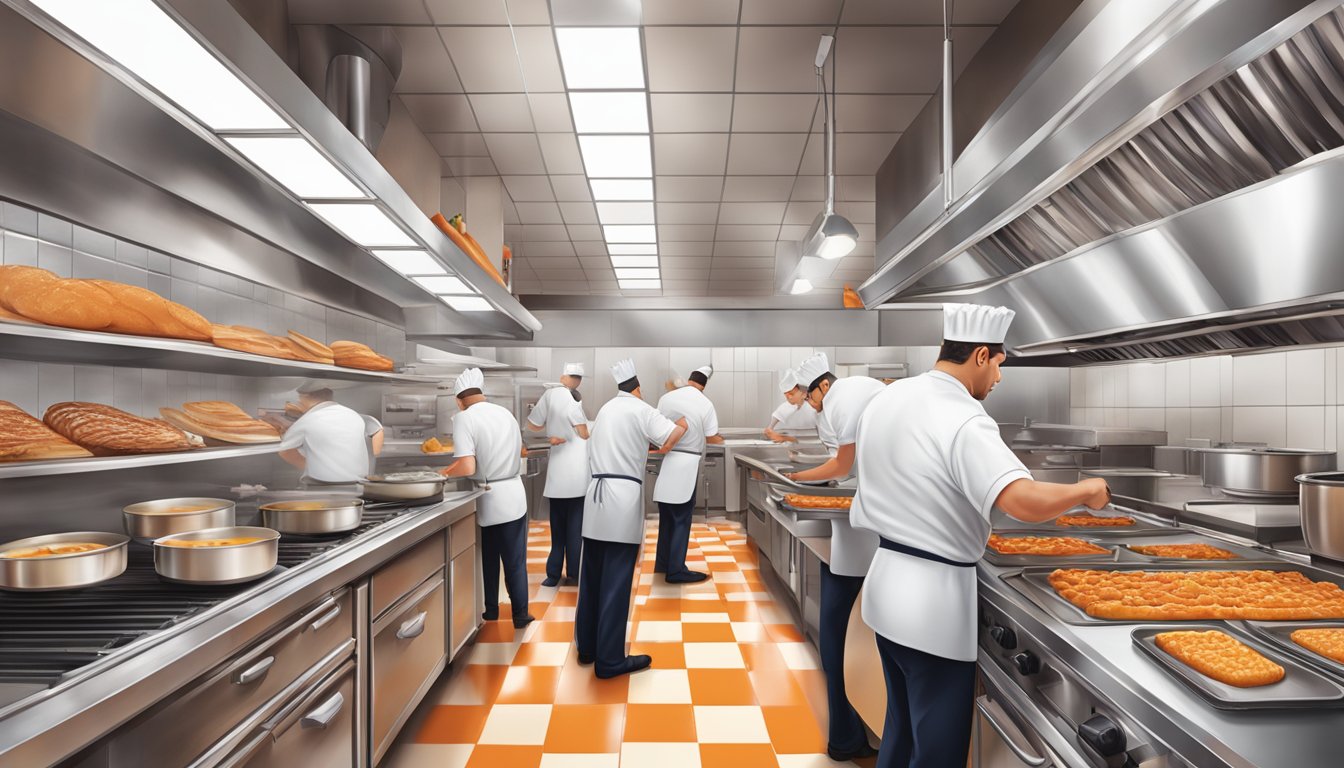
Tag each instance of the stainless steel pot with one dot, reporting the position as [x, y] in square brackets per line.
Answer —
[1321, 501]
[403, 486]
[1261, 472]
[63, 571]
[317, 516]
[230, 564]
[150, 520]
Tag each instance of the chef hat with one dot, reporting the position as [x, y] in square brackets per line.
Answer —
[706, 370]
[977, 323]
[623, 371]
[701, 375]
[788, 380]
[472, 378]
[813, 368]
[573, 369]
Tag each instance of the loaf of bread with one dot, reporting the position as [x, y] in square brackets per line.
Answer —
[352, 354]
[161, 317]
[108, 431]
[24, 438]
[311, 350]
[258, 342]
[41, 295]
[220, 421]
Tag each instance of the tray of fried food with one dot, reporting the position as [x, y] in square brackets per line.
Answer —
[1320, 643]
[1236, 670]
[1083, 521]
[1179, 547]
[1038, 548]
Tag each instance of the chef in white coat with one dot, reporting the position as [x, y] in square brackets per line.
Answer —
[330, 443]
[932, 466]
[680, 473]
[794, 414]
[488, 447]
[560, 414]
[613, 521]
[839, 403]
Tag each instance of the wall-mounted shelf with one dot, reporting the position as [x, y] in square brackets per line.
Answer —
[104, 463]
[40, 343]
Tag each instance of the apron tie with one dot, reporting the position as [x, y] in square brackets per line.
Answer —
[683, 450]
[603, 478]
[906, 549]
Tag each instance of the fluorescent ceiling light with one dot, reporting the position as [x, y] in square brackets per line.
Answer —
[601, 57]
[622, 189]
[364, 223]
[640, 285]
[801, 285]
[467, 303]
[616, 156]
[296, 164]
[411, 262]
[139, 36]
[630, 233]
[444, 284]
[636, 274]
[641, 249]
[610, 112]
[634, 261]
[625, 213]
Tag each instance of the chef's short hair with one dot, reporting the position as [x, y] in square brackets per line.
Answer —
[575, 394]
[827, 376]
[629, 385]
[464, 394]
[699, 378]
[960, 351]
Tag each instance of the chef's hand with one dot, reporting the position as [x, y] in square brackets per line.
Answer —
[1100, 493]
[557, 440]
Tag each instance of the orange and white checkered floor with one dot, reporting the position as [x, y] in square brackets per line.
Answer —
[733, 684]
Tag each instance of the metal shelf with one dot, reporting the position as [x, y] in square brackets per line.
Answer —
[104, 463]
[41, 343]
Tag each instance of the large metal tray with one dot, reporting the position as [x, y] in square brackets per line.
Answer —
[779, 485]
[1059, 561]
[1280, 634]
[1034, 584]
[1244, 554]
[809, 513]
[1143, 524]
[1301, 686]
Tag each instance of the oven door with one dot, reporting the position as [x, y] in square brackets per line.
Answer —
[1011, 731]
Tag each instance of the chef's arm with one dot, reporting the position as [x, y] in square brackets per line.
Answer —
[714, 440]
[838, 465]
[463, 467]
[524, 452]
[1032, 501]
[582, 430]
[294, 458]
[676, 435]
[778, 437]
[377, 443]
[534, 427]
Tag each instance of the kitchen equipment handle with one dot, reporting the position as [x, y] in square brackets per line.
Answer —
[413, 627]
[1009, 733]
[243, 755]
[326, 618]
[254, 672]
[325, 613]
[769, 471]
[322, 716]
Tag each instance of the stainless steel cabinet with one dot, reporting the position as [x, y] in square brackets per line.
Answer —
[463, 567]
[408, 655]
[316, 728]
[713, 481]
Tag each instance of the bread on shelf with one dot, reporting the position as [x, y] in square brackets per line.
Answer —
[352, 354]
[220, 421]
[108, 431]
[26, 438]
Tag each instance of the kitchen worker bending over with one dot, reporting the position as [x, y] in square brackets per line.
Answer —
[613, 521]
[558, 413]
[792, 414]
[680, 472]
[932, 465]
[488, 446]
[330, 443]
[839, 403]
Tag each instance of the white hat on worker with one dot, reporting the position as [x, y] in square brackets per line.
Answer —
[978, 323]
[788, 380]
[706, 370]
[813, 368]
[472, 378]
[573, 369]
[623, 371]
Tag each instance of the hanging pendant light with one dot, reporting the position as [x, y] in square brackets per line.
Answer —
[831, 235]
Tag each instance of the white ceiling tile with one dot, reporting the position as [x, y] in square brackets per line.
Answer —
[809, 188]
[513, 232]
[747, 288]
[856, 188]
[747, 232]
[690, 59]
[900, 59]
[357, 12]
[857, 212]
[925, 11]
[464, 12]
[661, 12]
[757, 188]
[515, 153]
[619, 212]
[763, 154]
[856, 154]
[774, 112]
[541, 64]
[578, 213]
[867, 232]
[594, 263]
[868, 249]
[472, 166]
[779, 59]
[425, 66]
[794, 233]
[552, 263]
[435, 113]
[551, 277]
[686, 249]
[881, 113]
[569, 188]
[688, 189]
[685, 232]
[539, 213]
[751, 213]
[585, 232]
[568, 287]
[792, 12]
[510, 212]
[561, 153]
[502, 112]
[484, 58]
[458, 144]
[746, 250]
[692, 112]
[550, 111]
[741, 275]
[549, 250]
[688, 213]
[590, 248]
[528, 188]
[545, 232]
[689, 153]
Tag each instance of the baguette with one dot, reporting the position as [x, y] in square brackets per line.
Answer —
[251, 433]
[40, 295]
[164, 318]
[241, 338]
[312, 349]
[108, 431]
[352, 354]
[25, 438]
[468, 246]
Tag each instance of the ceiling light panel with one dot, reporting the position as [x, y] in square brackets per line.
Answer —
[610, 111]
[640, 249]
[467, 303]
[599, 57]
[625, 213]
[139, 36]
[636, 274]
[616, 156]
[363, 223]
[634, 261]
[622, 189]
[297, 165]
[640, 285]
[630, 233]
[445, 285]
[411, 262]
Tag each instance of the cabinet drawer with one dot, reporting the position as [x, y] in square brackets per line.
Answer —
[462, 585]
[408, 571]
[408, 649]
[316, 729]
[461, 535]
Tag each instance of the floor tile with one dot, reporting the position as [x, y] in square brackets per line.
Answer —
[530, 685]
[721, 687]
[730, 725]
[729, 577]
[517, 724]
[793, 730]
[777, 687]
[762, 656]
[581, 761]
[699, 617]
[551, 630]
[665, 655]
[659, 722]
[472, 684]
[408, 755]
[658, 632]
[542, 654]
[578, 685]
[720, 559]
[811, 761]
[660, 686]
[798, 655]
[708, 633]
[586, 728]
[737, 756]
[749, 632]
[498, 756]
[784, 633]
[493, 653]
[714, 656]
[453, 725]
[656, 755]
[560, 613]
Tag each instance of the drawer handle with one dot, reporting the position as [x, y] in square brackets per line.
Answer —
[254, 672]
[325, 713]
[413, 627]
[326, 618]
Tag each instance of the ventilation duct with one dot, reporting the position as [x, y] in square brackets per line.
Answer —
[352, 73]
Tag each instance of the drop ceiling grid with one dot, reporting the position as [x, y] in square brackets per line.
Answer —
[736, 169]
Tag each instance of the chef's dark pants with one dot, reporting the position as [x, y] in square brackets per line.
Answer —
[604, 602]
[506, 543]
[566, 537]
[929, 702]
[838, 594]
[674, 536]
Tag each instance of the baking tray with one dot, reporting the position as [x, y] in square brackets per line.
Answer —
[1143, 524]
[1033, 583]
[1244, 554]
[995, 558]
[1260, 521]
[1279, 634]
[1301, 686]
[809, 513]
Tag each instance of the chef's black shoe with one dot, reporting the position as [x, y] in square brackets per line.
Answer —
[569, 581]
[490, 615]
[687, 577]
[858, 754]
[586, 660]
[632, 664]
[522, 621]
[549, 582]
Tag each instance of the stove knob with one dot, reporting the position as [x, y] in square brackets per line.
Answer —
[1027, 663]
[1005, 637]
[1103, 735]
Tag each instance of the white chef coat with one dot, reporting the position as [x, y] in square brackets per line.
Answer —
[490, 433]
[838, 424]
[331, 438]
[794, 417]
[931, 465]
[567, 467]
[625, 427]
[681, 466]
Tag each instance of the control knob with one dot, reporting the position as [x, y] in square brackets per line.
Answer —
[1103, 735]
[1027, 663]
[1005, 637]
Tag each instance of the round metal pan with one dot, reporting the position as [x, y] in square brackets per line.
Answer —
[403, 486]
[63, 571]
[150, 520]
[317, 516]
[230, 564]
[1261, 472]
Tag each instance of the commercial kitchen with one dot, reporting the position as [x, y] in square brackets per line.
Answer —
[671, 383]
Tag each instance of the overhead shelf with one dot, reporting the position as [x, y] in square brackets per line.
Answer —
[46, 344]
[105, 463]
